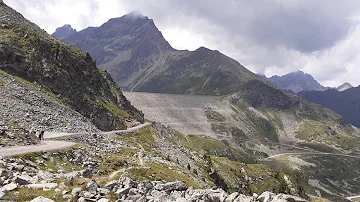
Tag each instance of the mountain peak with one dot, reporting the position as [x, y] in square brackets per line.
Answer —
[136, 15]
[132, 17]
[64, 31]
[297, 81]
[344, 86]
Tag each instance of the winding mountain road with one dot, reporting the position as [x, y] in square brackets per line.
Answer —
[49, 145]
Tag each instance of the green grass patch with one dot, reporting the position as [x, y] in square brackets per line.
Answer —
[28, 194]
[229, 170]
[114, 109]
[52, 162]
[159, 172]
[144, 137]
[309, 129]
[275, 118]
[201, 143]
[112, 163]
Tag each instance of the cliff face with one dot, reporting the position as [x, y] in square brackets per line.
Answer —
[68, 73]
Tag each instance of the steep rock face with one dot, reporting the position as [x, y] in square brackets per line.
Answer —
[64, 31]
[30, 53]
[296, 82]
[345, 103]
[134, 52]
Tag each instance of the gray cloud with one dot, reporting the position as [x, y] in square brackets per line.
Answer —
[267, 36]
[305, 25]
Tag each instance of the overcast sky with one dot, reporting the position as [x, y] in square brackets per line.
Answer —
[320, 37]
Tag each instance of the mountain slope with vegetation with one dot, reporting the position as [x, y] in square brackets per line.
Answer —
[260, 122]
[67, 73]
[134, 52]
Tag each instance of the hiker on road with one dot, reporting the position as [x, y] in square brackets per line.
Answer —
[42, 135]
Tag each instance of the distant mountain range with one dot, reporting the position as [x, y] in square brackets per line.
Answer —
[346, 103]
[135, 53]
[298, 81]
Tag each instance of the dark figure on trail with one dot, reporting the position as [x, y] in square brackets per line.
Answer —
[39, 134]
[42, 135]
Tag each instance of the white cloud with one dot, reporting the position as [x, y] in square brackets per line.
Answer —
[266, 36]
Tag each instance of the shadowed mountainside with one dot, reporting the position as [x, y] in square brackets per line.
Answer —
[67, 74]
[346, 103]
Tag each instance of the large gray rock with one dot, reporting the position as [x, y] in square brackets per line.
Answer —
[205, 195]
[2, 195]
[172, 186]
[160, 195]
[103, 191]
[41, 199]
[232, 197]
[23, 180]
[145, 186]
[123, 191]
[76, 191]
[127, 182]
[103, 200]
[279, 200]
[42, 186]
[177, 194]
[5, 173]
[10, 187]
[243, 198]
[289, 198]
[110, 185]
[218, 195]
[134, 197]
[266, 197]
[92, 186]
[82, 199]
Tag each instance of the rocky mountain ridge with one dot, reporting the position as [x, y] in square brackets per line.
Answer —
[296, 82]
[137, 56]
[66, 73]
